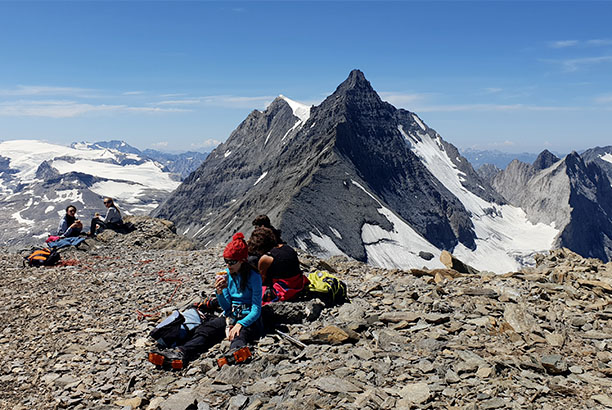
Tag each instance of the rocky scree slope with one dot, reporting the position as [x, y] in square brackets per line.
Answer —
[538, 338]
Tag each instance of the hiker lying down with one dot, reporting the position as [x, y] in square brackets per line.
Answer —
[238, 292]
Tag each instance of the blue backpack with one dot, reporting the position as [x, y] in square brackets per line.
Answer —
[177, 328]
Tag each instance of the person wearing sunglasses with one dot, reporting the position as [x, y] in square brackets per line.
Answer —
[112, 219]
[238, 292]
[69, 225]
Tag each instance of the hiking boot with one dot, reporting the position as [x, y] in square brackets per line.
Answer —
[240, 355]
[168, 358]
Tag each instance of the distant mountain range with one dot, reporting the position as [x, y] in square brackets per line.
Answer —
[38, 180]
[182, 164]
[354, 176]
[500, 159]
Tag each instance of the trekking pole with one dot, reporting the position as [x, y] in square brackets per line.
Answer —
[291, 339]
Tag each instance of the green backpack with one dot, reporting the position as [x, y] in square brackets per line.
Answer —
[327, 287]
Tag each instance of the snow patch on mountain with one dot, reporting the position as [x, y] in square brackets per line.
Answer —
[397, 248]
[418, 121]
[607, 157]
[302, 111]
[326, 244]
[260, 178]
[504, 235]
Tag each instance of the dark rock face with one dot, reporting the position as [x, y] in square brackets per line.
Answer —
[602, 156]
[321, 179]
[488, 172]
[544, 160]
[589, 232]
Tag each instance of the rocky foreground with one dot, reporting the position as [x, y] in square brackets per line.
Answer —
[76, 336]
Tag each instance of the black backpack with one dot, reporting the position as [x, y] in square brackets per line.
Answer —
[42, 257]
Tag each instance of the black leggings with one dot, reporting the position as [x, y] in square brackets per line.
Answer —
[212, 332]
[98, 222]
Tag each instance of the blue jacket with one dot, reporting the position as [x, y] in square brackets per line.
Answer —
[250, 297]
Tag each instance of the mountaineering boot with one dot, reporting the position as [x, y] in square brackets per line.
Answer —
[238, 356]
[168, 358]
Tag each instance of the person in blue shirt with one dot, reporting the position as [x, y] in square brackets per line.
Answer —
[69, 225]
[238, 292]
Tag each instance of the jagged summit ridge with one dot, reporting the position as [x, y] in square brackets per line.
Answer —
[358, 177]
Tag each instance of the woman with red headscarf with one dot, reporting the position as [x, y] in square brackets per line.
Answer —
[239, 295]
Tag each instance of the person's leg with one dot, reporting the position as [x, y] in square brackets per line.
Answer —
[247, 335]
[205, 336]
[94, 225]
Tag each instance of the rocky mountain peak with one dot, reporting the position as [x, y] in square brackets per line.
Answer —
[545, 160]
[356, 92]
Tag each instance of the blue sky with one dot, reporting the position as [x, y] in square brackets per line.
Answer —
[512, 76]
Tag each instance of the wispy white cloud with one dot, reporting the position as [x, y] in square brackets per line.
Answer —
[232, 101]
[564, 43]
[209, 143]
[35, 90]
[133, 93]
[493, 107]
[173, 95]
[493, 90]
[161, 144]
[402, 99]
[577, 63]
[604, 99]
[599, 42]
[178, 102]
[68, 109]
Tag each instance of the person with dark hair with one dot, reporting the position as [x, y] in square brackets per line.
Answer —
[278, 265]
[262, 240]
[112, 219]
[238, 291]
[263, 220]
[69, 225]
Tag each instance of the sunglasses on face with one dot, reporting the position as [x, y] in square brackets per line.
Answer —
[107, 202]
[230, 262]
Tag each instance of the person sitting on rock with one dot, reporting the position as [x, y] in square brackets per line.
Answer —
[238, 292]
[69, 225]
[263, 220]
[112, 219]
[279, 267]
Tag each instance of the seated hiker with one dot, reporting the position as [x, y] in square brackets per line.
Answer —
[263, 220]
[262, 240]
[69, 225]
[279, 267]
[112, 219]
[238, 292]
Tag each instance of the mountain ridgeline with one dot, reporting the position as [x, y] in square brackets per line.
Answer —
[356, 176]
[330, 178]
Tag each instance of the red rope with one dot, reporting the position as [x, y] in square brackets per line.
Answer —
[154, 312]
[69, 262]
